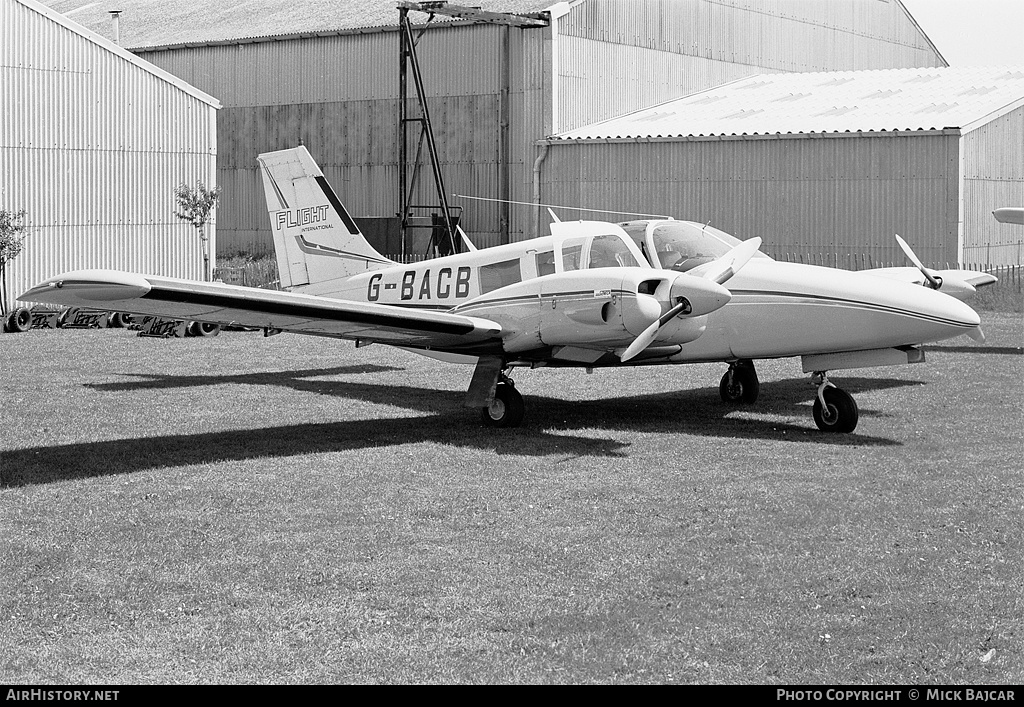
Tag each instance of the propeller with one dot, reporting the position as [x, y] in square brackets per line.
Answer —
[648, 335]
[717, 272]
[465, 239]
[723, 268]
[934, 281]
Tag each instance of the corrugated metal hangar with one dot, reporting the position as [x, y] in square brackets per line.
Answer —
[93, 142]
[821, 165]
[328, 76]
[506, 96]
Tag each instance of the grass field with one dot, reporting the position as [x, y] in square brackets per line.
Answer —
[294, 510]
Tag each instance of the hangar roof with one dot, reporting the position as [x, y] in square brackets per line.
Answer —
[158, 23]
[827, 102]
[107, 45]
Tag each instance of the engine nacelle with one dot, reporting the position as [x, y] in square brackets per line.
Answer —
[598, 308]
[601, 308]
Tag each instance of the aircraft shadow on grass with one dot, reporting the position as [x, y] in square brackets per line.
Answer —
[990, 350]
[688, 411]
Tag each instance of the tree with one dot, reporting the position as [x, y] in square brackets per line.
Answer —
[195, 205]
[12, 235]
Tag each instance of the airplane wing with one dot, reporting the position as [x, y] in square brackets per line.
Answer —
[913, 275]
[218, 303]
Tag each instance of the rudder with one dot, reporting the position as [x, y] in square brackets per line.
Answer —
[315, 238]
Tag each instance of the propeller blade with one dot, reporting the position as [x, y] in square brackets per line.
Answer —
[647, 335]
[465, 239]
[933, 281]
[729, 264]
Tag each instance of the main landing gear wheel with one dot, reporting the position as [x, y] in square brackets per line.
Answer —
[507, 408]
[834, 410]
[740, 384]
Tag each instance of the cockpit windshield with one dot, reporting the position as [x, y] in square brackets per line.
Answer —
[683, 245]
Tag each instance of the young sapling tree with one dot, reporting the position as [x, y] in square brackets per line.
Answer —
[195, 205]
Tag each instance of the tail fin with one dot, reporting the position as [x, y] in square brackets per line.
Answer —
[315, 238]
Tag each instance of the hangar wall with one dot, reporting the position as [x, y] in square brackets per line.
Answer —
[615, 56]
[496, 92]
[338, 95]
[93, 142]
[832, 198]
[993, 177]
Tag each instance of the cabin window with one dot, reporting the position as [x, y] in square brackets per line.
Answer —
[610, 251]
[572, 249]
[545, 262]
[498, 275]
[637, 230]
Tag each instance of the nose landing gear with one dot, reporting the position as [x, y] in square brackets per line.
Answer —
[834, 410]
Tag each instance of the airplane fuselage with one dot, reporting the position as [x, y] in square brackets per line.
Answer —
[777, 309]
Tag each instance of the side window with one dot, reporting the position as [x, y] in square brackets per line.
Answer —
[545, 262]
[610, 252]
[498, 275]
[638, 232]
[572, 248]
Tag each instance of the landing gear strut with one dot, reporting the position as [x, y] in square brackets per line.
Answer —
[834, 410]
[507, 408]
[740, 384]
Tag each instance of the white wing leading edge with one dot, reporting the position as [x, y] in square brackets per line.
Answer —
[218, 303]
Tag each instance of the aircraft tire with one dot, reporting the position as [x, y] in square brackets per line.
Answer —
[507, 410]
[744, 387]
[841, 413]
[206, 329]
[119, 320]
[20, 320]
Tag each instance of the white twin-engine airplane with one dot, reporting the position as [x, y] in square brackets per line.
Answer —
[592, 294]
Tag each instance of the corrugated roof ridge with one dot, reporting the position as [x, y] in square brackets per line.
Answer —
[149, 24]
[920, 113]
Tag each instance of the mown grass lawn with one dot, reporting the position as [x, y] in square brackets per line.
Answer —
[294, 510]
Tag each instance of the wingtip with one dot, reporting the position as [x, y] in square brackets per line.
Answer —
[86, 286]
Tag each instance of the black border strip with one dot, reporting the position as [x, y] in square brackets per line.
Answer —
[306, 311]
[817, 299]
[338, 206]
